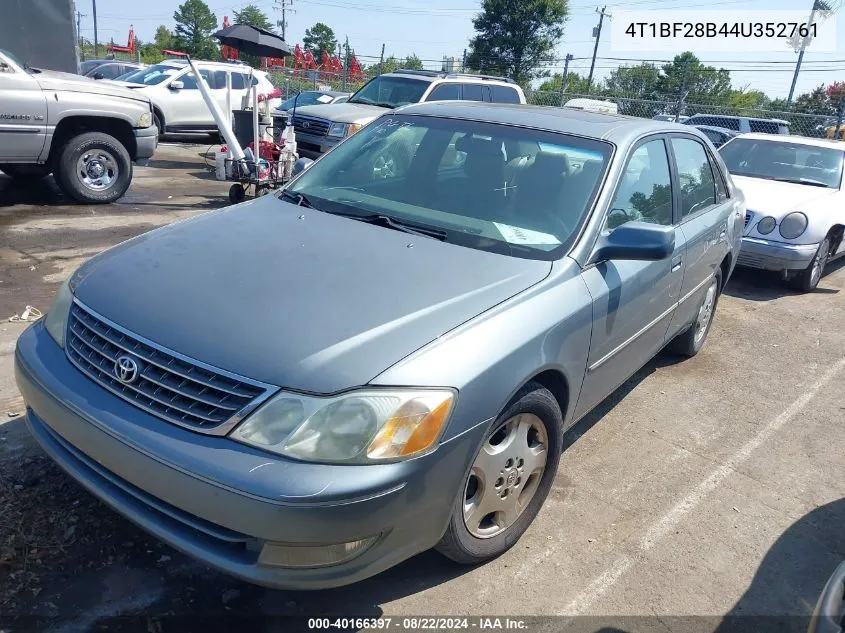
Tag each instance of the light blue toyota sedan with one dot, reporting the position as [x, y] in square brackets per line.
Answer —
[308, 388]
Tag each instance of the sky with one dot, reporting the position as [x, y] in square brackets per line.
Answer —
[434, 28]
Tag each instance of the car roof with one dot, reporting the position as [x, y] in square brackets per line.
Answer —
[181, 63]
[716, 128]
[737, 116]
[435, 75]
[794, 138]
[617, 128]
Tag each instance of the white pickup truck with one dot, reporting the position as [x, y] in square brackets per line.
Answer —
[86, 132]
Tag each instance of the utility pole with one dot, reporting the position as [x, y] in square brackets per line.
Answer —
[381, 60]
[79, 17]
[563, 81]
[597, 35]
[283, 5]
[464, 63]
[818, 5]
[96, 41]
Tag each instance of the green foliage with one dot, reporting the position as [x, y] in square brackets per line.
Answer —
[319, 38]
[575, 83]
[642, 81]
[253, 16]
[513, 38]
[412, 62]
[702, 84]
[194, 25]
[817, 101]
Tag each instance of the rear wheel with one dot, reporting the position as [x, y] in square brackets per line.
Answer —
[25, 171]
[95, 168]
[509, 479]
[690, 341]
[809, 278]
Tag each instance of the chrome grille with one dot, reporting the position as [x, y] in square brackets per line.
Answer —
[168, 385]
[308, 125]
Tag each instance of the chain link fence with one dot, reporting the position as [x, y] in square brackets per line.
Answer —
[813, 125]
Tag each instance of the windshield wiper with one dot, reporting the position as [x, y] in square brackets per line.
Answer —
[383, 104]
[804, 181]
[298, 199]
[390, 222]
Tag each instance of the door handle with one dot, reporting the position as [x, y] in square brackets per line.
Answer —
[676, 264]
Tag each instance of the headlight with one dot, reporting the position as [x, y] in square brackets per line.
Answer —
[146, 120]
[56, 318]
[358, 427]
[766, 225]
[337, 130]
[793, 225]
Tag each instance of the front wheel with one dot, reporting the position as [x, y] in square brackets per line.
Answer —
[809, 278]
[94, 168]
[509, 479]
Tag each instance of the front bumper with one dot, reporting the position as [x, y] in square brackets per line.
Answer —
[222, 502]
[770, 255]
[312, 146]
[146, 141]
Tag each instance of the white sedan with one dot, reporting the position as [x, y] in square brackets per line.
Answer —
[795, 194]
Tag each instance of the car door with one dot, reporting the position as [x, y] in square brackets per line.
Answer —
[186, 107]
[23, 115]
[705, 212]
[633, 301]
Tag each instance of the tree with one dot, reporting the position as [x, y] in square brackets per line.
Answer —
[412, 62]
[639, 82]
[575, 84]
[745, 99]
[319, 38]
[253, 16]
[816, 101]
[702, 84]
[194, 25]
[513, 38]
[163, 38]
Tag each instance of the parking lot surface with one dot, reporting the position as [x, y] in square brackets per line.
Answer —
[706, 487]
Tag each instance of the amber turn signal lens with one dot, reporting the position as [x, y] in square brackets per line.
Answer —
[414, 427]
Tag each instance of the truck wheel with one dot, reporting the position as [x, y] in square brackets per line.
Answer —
[94, 168]
[25, 171]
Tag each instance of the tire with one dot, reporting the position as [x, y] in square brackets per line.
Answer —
[94, 168]
[494, 533]
[237, 193]
[157, 123]
[26, 171]
[809, 278]
[689, 342]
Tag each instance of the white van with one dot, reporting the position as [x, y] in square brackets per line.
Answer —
[593, 105]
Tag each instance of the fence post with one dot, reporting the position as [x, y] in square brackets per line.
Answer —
[837, 134]
[682, 92]
[563, 81]
[464, 62]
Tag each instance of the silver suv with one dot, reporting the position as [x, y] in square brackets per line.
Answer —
[320, 127]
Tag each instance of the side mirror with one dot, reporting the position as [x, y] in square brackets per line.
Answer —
[301, 165]
[637, 241]
[97, 75]
[176, 85]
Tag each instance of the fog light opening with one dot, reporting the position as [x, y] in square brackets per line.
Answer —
[307, 556]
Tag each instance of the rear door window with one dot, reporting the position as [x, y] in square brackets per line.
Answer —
[473, 92]
[445, 92]
[698, 187]
[766, 127]
[504, 94]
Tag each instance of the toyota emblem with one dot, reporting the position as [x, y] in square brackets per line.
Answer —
[305, 125]
[126, 369]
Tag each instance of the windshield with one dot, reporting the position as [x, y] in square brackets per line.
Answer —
[778, 160]
[152, 75]
[391, 92]
[491, 187]
[14, 59]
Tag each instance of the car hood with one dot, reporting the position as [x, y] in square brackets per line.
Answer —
[296, 297]
[55, 80]
[343, 112]
[770, 197]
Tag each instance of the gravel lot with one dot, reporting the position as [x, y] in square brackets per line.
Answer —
[707, 487]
